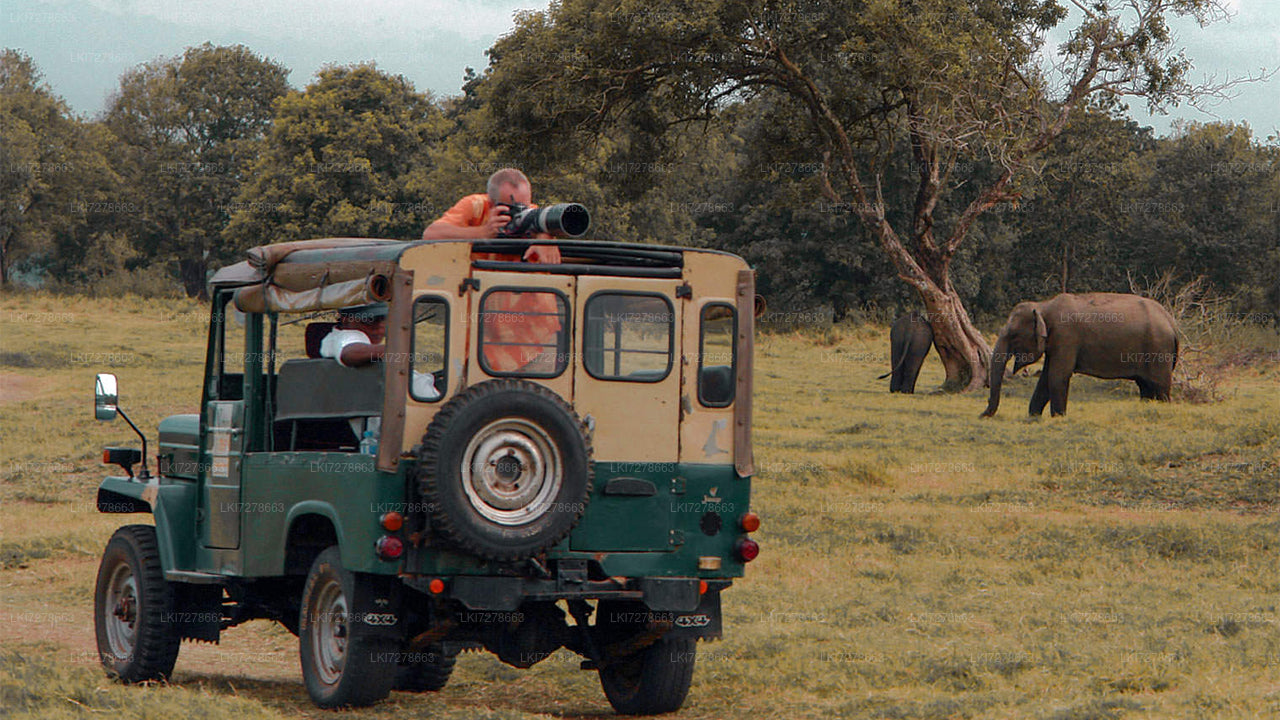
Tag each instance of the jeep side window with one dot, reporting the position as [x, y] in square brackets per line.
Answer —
[524, 333]
[628, 336]
[717, 349]
[430, 345]
[230, 357]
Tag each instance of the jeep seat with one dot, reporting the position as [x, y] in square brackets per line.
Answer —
[316, 398]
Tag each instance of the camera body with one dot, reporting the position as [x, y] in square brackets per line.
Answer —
[562, 220]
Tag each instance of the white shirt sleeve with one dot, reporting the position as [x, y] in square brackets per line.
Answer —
[333, 343]
[424, 386]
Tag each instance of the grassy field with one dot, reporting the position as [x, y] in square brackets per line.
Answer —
[1123, 561]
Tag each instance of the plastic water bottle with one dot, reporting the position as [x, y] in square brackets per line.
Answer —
[368, 446]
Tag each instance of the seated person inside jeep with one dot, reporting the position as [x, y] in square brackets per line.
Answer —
[357, 340]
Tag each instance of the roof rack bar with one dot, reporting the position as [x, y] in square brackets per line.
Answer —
[579, 269]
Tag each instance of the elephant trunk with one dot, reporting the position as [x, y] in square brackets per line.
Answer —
[999, 358]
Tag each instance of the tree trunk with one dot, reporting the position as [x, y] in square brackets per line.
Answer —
[964, 351]
[193, 277]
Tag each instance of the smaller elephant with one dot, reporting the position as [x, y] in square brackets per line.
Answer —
[1106, 335]
[909, 341]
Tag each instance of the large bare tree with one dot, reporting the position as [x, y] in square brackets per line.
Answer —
[960, 81]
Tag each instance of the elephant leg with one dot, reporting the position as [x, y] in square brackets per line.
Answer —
[911, 371]
[1162, 384]
[1146, 389]
[1058, 389]
[1040, 397]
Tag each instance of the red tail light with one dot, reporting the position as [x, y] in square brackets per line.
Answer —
[389, 548]
[750, 522]
[748, 549]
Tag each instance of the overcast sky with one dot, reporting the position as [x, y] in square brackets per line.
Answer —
[83, 46]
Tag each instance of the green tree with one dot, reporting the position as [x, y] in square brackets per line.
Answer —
[956, 81]
[189, 128]
[1209, 207]
[56, 187]
[349, 156]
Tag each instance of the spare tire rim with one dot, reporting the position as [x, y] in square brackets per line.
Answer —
[511, 472]
[329, 632]
[120, 612]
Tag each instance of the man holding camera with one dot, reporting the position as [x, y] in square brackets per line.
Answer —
[484, 215]
[520, 325]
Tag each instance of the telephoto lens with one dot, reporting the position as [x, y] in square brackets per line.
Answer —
[562, 220]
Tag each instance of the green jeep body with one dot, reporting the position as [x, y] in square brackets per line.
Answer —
[251, 490]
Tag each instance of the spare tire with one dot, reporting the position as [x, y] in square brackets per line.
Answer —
[505, 468]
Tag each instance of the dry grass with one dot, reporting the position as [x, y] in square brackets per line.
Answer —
[917, 562]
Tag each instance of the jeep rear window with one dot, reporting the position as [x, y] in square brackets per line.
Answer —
[429, 379]
[628, 336]
[717, 348]
[524, 332]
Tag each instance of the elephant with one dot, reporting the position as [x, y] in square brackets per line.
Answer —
[909, 343]
[1106, 335]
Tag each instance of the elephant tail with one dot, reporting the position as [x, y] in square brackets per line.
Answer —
[905, 351]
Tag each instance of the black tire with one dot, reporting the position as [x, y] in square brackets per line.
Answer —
[133, 608]
[343, 662]
[545, 446]
[652, 681]
[427, 671]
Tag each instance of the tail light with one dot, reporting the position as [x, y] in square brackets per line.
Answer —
[392, 521]
[750, 522]
[389, 547]
[748, 549]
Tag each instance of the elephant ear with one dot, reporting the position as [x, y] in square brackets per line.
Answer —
[1042, 331]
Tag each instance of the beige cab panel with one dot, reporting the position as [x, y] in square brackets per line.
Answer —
[627, 380]
[438, 270]
[517, 330]
[706, 433]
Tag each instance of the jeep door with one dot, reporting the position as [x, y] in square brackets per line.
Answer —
[627, 388]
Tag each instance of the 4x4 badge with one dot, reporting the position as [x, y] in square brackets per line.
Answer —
[688, 621]
[379, 619]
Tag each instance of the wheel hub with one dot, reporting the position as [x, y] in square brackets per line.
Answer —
[511, 471]
[329, 632]
[120, 612]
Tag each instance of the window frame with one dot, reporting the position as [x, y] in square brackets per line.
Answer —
[562, 348]
[413, 344]
[671, 335]
[702, 355]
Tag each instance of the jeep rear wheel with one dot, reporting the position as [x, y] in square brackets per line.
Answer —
[133, 608]
[343, 662]
[506, 469]
[651, 681]
[427, 671]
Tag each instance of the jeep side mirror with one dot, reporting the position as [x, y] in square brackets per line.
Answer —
[105, 397]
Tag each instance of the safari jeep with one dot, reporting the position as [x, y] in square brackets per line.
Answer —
[563, 460]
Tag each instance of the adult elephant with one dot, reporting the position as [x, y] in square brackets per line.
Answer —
[1106, 335]
[909, 341]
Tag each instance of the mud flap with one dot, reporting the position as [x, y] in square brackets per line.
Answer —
[703, 622]
[377, 605]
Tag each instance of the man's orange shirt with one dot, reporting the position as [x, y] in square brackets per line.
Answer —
[515, 323]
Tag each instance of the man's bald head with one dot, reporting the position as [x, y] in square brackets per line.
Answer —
[509, 185]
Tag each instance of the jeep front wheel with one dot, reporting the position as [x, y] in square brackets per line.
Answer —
[343, 662]
[506, 469]
[133, 608]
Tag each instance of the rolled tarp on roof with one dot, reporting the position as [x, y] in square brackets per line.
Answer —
[271, 298]
[308, 286]
[266, 257]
